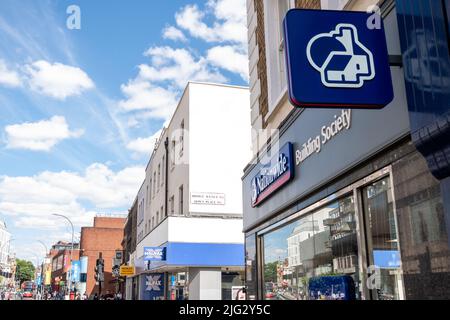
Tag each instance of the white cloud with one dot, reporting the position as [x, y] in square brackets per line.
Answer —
[144, 145]
[141, 95]
[230, 21]
[39, 136]
[57, 80]
[32, 200]
[177, 66]
[157, 86]
[229, 58]
[8, 77]
[173, 33]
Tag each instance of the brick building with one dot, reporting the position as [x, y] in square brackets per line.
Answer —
[104, 236]
[60, 263]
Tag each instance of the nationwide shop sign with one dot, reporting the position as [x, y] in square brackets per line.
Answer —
[154, 253]
[342, 61]
[274, 175]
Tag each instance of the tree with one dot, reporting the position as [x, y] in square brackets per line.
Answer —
[24, 270]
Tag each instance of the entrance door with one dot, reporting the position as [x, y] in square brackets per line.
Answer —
[384, 279]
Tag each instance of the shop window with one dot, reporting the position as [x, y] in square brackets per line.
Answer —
[314, 257]
[422, 230]
[251, 281]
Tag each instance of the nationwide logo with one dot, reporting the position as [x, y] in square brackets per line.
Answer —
[273, 176]
[347, 67]
[153, 283]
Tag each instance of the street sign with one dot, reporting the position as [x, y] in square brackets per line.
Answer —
[126, 271]
[342, 61]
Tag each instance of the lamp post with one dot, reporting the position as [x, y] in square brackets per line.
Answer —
[42, 267]
[71, 250]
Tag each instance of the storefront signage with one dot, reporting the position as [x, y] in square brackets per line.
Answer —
[76, 266]
[341, 122]
[154, 254]
[208, 198]
[341, 61]
[126, 271]
[152, 286]
[272, 176]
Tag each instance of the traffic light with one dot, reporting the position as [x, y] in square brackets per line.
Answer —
[100, 269]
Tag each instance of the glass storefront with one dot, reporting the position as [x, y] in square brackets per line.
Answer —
[315, 257]
[382, 238]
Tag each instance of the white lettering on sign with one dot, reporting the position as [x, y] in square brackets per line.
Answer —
[327, 133]
[208, 198]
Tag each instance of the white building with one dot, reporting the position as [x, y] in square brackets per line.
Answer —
[5, 239]
[191, 200]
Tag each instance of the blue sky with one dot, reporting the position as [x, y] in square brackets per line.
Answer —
[80, 109]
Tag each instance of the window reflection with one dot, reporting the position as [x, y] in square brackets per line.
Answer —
[314, 257]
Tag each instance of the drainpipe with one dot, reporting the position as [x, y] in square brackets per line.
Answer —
[166, 145]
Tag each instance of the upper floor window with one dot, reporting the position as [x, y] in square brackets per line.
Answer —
[172, 158]
[172, 205]
[180, 196]
[333, 4]
[154, 182]
[163, 171]
[159, 176]
[182, 138]
[276, 74]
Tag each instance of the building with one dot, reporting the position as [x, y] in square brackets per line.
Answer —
[105, 238]
[5, 245]
[129, 249]
[370, 205]
[190, 205]
[60, 266]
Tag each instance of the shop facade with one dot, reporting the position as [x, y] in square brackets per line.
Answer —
[342, 205]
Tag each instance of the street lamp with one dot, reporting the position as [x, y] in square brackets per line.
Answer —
[71, 250]
[42, 266]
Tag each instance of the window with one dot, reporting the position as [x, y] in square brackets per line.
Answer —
[275, 49]
[153, 221]
[182, 138]
[172, 205]
[162, 210]
[150, 191]
[157, 217]
[172, 154]
[333, 4]
[159, 176]
[180, 195]
[300, 255]
[163, 171]
[147, 196]
[154, 183]
[146, 227]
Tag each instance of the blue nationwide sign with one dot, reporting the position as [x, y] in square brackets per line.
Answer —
[274, 175]
[154, 253]
[342, 61]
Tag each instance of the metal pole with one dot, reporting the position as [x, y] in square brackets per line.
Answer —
[42, 268]
[70, 270]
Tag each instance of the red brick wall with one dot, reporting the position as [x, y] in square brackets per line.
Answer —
[106, 240]
[106, 222]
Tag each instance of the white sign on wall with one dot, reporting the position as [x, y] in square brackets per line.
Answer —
[208, 198]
